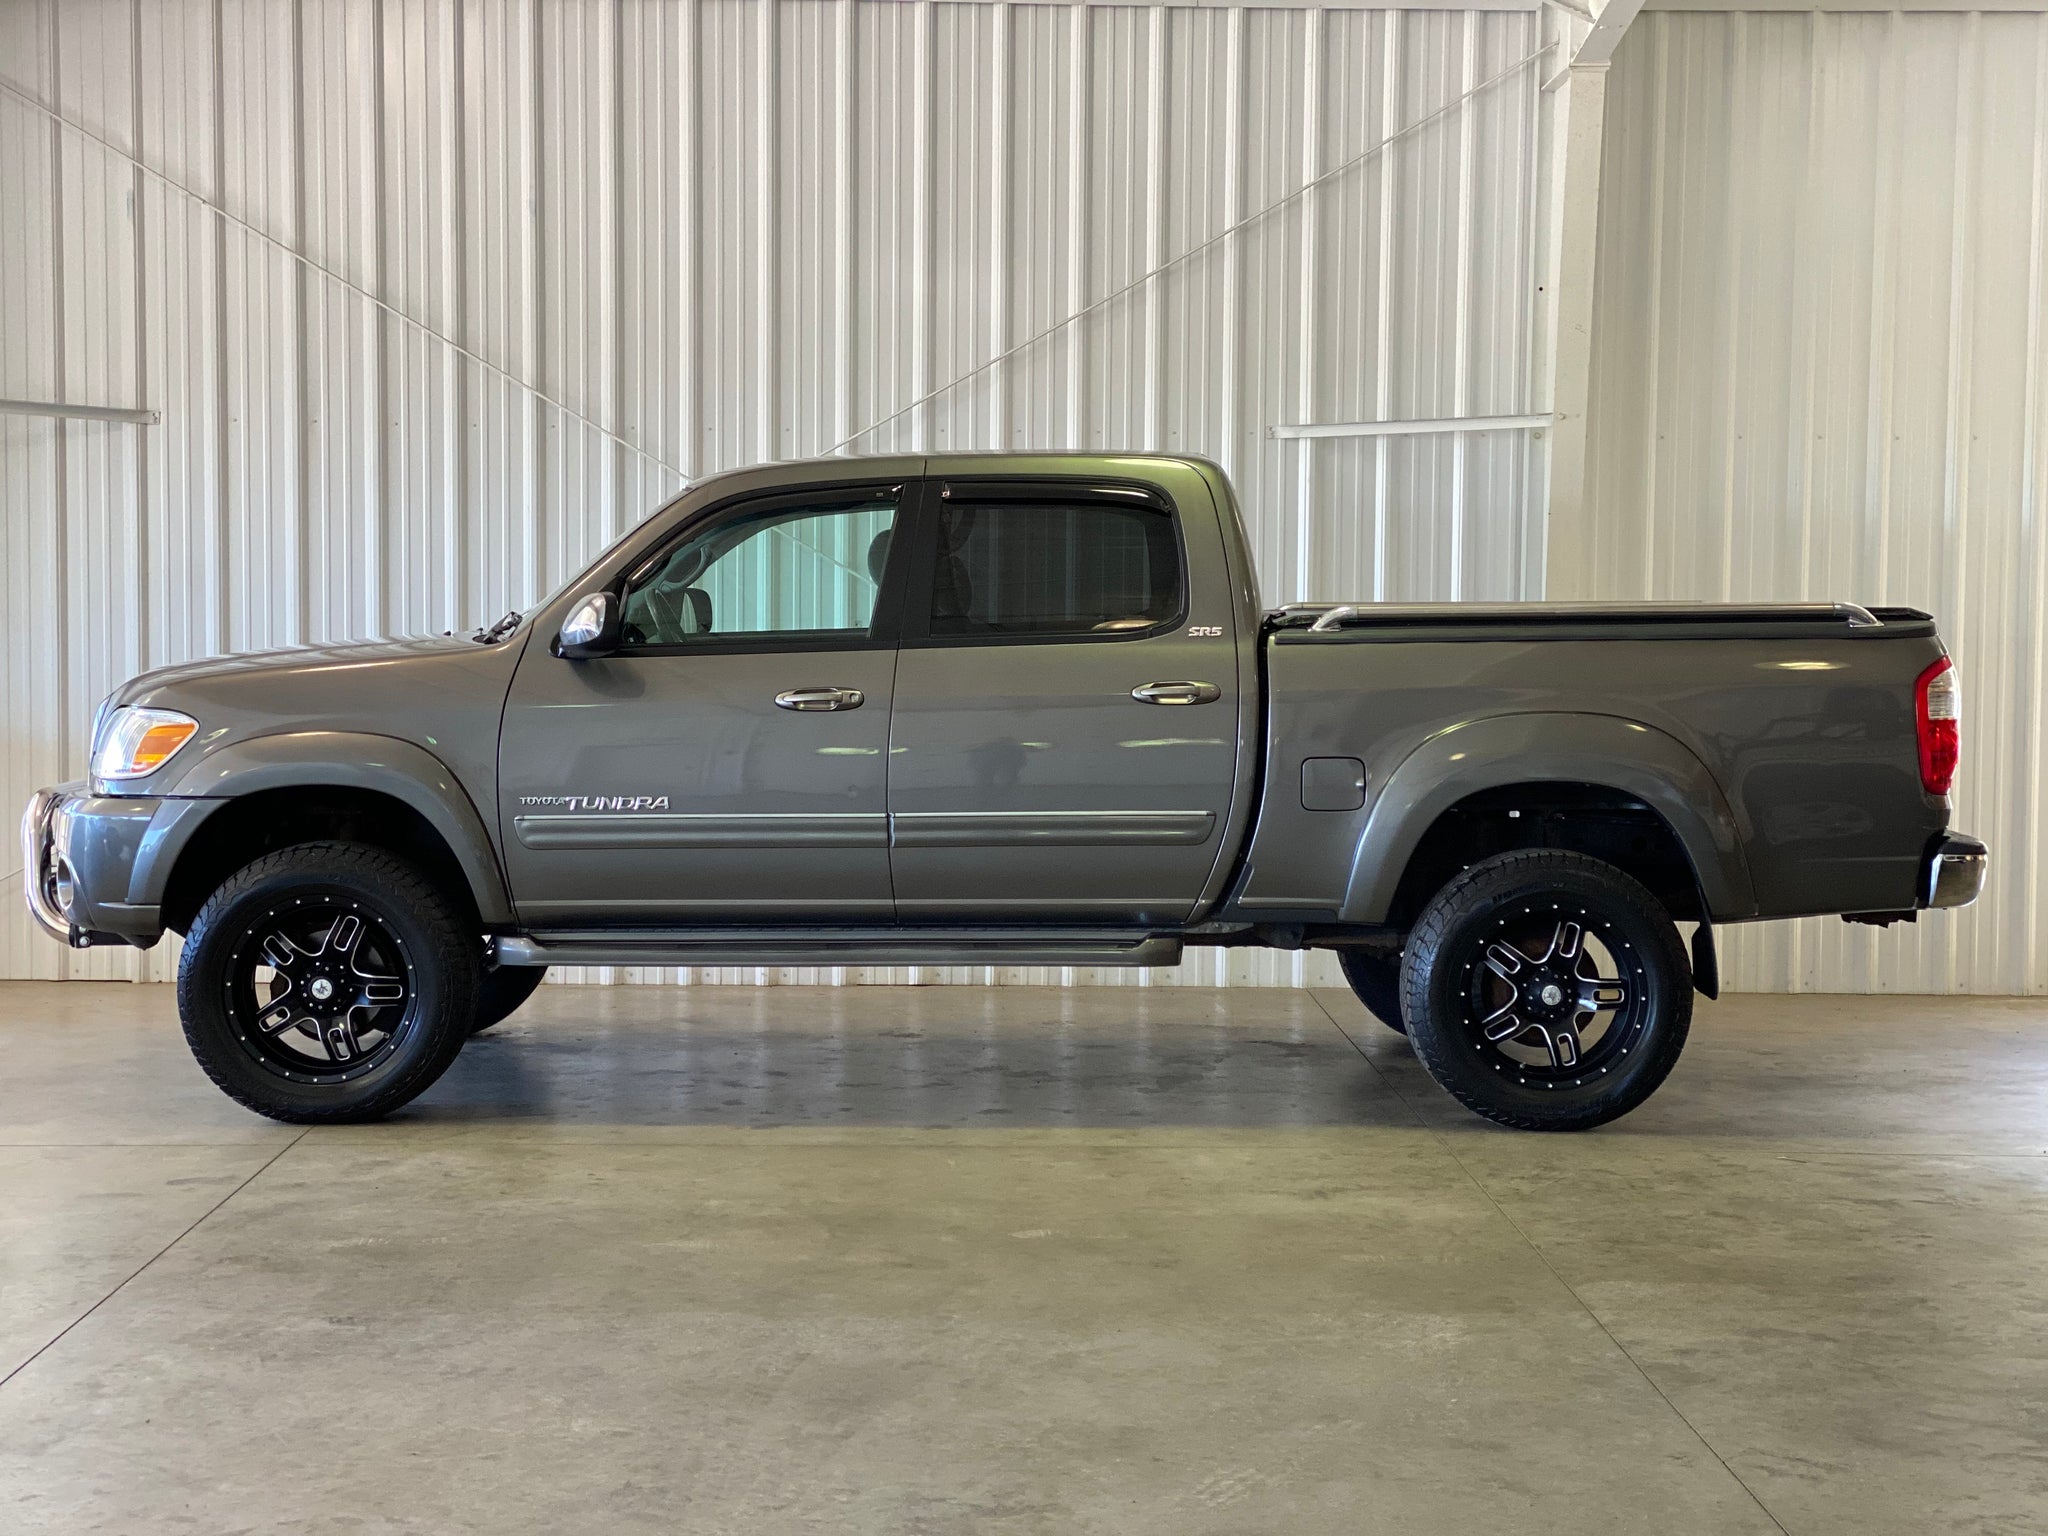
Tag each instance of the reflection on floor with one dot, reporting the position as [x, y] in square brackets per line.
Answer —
[1026, 1261]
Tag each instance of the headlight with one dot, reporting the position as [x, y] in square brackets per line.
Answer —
[137, 742]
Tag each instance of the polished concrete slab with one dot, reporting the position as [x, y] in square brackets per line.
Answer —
[934, 1260]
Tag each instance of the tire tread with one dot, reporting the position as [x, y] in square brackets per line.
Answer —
[450, 948]
[1433, 927]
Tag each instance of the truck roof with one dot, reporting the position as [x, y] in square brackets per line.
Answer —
[1052, 461]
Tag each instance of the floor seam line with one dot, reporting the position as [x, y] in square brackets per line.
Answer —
[65, 1331]
[1391, 1086]
[128, 1146]
[1544, 1259]
[1601, 1323]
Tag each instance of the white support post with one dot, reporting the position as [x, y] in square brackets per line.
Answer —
[1576, 111]
[1581, 106]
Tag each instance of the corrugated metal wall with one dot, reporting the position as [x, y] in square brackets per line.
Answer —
[727, 230]
[1819, 372]
[735, 229]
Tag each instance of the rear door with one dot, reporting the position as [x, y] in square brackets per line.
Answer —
[729, 760]
[1063, 742]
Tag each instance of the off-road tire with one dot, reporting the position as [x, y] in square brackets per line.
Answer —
[1449, 943]
[442, 972]
[503, 991]
[1375, 979]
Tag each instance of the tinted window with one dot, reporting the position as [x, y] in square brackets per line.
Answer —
[1022, 569]
[782, 571]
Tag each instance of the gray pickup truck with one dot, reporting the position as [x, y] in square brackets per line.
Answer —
[967, 710]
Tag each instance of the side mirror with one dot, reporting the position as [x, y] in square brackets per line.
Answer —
[592, 628]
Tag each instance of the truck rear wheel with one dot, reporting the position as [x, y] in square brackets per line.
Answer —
[1546, 991]
[327, 982]
[1376, 982]
[502, 992]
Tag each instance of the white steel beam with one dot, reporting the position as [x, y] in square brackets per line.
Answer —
[1418, 428]
[59, 408]
[1575, 105]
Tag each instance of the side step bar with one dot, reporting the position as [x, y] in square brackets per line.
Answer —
[838, 946]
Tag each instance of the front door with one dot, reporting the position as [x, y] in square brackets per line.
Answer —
[1065, 730]
[729, 760]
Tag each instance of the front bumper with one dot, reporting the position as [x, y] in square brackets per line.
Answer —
[38, 865]
[1952, 872]
[82, 858]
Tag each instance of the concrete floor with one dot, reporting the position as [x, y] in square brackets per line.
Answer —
[1021, 1261]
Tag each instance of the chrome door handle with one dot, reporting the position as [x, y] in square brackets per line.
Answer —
[1176, 693]
[820, 698]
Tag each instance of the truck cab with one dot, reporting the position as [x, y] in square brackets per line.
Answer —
[1007, 693]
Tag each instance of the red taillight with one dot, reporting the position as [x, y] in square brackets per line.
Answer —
[1938, 721]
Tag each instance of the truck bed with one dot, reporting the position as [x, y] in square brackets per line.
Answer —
[1776, 741]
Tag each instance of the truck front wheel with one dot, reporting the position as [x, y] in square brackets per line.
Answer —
[1546, 991]
[327, 982]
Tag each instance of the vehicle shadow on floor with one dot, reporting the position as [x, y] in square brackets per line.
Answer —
[917, 1064]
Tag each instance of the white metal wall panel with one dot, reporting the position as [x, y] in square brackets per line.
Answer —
[1819, 372]
[726, 230]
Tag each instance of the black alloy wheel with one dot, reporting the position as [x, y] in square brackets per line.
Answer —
[1547, 991]
[320, 988]
[1557, 992]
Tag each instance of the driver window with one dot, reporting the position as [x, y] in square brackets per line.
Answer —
[784, 570]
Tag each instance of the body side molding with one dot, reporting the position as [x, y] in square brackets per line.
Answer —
[1021, 829]
[702, 830]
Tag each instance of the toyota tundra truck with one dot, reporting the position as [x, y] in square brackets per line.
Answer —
[1016, 710]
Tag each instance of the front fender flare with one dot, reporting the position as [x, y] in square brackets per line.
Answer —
[1604, 750]
[348, 760]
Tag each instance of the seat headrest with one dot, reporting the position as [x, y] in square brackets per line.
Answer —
[878, 554]
[697, 611]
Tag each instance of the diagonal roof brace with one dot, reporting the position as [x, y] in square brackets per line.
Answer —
[1605, 26]
[1610, 21]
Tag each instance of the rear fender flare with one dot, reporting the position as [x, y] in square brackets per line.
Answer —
[1604, 750]
[345, 760]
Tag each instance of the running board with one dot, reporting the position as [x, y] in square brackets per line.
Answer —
[838, 946]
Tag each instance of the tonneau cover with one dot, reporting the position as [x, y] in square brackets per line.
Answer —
[1605, 620]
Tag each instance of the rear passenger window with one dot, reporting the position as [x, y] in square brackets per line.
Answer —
[1027, 569]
